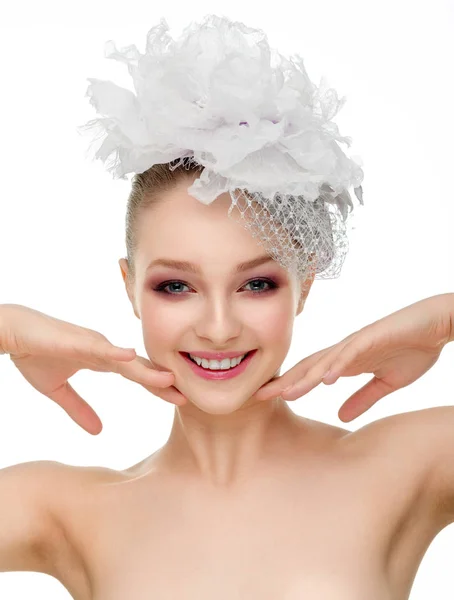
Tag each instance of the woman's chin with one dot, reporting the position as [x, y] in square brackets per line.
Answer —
[219, 403]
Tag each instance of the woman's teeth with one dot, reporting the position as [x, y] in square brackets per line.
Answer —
[216, 365]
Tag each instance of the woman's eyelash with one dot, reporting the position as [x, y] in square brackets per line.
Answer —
[161, 287]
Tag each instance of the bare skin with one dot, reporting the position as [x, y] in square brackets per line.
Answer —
[339, 515]
[246, 499]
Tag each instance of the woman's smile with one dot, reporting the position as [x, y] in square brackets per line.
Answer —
[218, 374]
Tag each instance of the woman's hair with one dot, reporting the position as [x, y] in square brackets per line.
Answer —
[146, 190]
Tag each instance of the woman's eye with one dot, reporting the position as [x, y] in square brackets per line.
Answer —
[268, 282]
[163, 286]
[179, 284]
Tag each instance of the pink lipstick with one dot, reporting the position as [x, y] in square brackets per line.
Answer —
[220, 373]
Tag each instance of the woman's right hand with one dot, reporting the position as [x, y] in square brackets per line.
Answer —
[48, 351]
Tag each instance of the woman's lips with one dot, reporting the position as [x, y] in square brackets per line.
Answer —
[219, 374]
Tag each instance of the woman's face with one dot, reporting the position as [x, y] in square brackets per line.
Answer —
[217, 308]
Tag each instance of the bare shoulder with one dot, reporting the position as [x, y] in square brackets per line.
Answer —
[420, 446]
[36, 500]
[403, 429]
[27, 523]
[73, 490]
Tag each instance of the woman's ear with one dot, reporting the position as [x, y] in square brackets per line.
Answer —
[305, 288]
[124, 273]
[301, 303]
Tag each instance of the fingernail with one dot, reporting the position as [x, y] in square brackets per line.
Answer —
[288, 391]
[330, 377]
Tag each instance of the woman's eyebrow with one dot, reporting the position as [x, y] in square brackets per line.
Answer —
[183, 265]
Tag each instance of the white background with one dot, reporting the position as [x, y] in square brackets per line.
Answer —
[62, 216]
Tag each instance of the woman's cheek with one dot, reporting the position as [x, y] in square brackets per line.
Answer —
[275, 321]
[158, 327]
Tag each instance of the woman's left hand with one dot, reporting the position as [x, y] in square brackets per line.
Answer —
[397, 349]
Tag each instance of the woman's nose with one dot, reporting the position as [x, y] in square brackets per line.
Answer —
[219, 323]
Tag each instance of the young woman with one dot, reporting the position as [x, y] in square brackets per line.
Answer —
[246, 499]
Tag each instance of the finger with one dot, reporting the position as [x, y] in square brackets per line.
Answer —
[363, 399]
[170, 394]
[143, 374]
[105, 351]
[160, 384]
[274, 387]
[303, 380]
[118, 353]
[308, 382]
[76, 407]
[153, 375]
[126, 362]
[327, 370]
[82, 347]
[343, 359]
[308, 373]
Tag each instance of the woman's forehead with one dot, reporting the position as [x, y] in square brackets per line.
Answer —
[178, 224]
